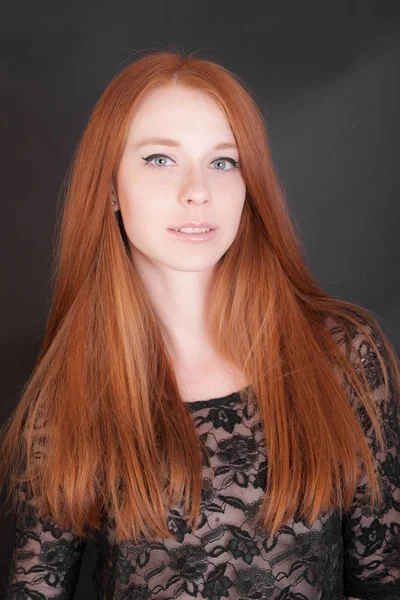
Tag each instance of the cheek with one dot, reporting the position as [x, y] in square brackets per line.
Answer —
[144, 220]
[140, 217]
[232, 210]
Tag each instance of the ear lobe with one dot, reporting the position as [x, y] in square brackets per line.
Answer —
[114, 200]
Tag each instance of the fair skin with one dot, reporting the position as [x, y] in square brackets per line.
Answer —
[189, 187]
[189, 182]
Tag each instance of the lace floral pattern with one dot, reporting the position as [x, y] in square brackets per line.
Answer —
[228, 556]
[45, 561]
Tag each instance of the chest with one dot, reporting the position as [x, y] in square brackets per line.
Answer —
[208, 379]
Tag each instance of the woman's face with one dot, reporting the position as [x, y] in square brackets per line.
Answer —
[187, 180]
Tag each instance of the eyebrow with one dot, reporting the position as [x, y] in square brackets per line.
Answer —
[160, 141]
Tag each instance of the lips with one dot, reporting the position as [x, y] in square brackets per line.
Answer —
[193, 225]
[195, 238]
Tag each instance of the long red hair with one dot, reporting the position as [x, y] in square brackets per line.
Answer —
[101, 428]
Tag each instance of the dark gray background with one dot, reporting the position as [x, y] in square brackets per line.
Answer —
[326, 77]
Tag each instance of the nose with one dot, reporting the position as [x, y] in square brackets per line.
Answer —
[197, 192]
[197, 200]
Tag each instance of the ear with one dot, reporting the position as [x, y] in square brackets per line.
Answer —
[114, 198]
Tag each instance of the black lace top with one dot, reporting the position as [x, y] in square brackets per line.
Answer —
[227, 557]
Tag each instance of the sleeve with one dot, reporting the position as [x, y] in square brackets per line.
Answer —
[371, 538]
[45, 560]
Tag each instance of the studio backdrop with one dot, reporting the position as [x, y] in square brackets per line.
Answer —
[327, 79]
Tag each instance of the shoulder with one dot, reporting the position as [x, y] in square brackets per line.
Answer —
[370, 355]
[374, 361]
[363, 344]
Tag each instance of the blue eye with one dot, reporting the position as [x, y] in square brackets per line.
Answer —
[234, 163]
[151, 157]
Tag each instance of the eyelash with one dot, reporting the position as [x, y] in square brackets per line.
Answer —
[234, 163]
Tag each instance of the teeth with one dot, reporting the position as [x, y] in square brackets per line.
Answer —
[193, 230]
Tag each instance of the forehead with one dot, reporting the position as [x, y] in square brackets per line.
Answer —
[177, 112]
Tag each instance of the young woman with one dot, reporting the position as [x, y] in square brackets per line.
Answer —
[200, 408]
